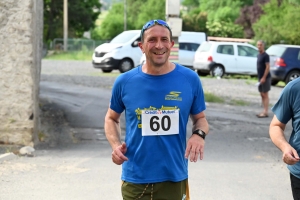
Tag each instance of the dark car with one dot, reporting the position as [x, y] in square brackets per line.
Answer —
[284, 62]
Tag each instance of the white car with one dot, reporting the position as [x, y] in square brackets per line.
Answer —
[219, 58]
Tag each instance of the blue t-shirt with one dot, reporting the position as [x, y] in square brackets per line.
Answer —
[286, 108]
[161, 157]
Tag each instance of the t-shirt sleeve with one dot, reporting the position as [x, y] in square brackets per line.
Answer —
[116, 101]
[267, 58]
[199, 100]
[283, 107]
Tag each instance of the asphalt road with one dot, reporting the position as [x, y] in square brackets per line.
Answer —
[240, 162]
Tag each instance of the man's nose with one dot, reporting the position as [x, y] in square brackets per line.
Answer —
[159, 44]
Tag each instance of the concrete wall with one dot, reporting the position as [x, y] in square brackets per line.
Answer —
[21, 23]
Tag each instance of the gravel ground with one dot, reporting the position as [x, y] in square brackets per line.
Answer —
[83, 73]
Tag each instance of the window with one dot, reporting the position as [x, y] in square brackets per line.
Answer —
[247, 51]
[188, 46]
[204, 47]
[291, 54]
[225, 49]
[276, 50]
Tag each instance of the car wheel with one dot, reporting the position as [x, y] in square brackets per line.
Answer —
[291, 76]
[274, 82]
[201, 73]
[125, 65]
[217, 70]
[106, 70]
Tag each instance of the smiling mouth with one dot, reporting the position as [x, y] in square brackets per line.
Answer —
[159, 53]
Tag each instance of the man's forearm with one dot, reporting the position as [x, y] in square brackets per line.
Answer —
[278, 138]
[202, 124]
[267, 70]
[113, 133]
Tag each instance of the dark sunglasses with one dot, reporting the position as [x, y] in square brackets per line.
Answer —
[152, 23]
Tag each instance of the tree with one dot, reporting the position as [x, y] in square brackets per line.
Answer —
[221, 16]
[151, 9]
[138, 13]
[195, 21]
[280, 23]
[249, 14]
[113, 24]
[82, 15]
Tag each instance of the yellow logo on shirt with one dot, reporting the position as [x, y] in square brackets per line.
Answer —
[173, 96]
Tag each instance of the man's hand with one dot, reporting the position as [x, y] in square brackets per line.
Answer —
[118, 154]
[290, 156]
[195, 146]
[262, 80]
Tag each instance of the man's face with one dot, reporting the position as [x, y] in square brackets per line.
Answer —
[260, 46]
[157, 45]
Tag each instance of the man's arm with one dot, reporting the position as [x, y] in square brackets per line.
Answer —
[267, 70]
[195, 145]
[113, 135]
[276, 131]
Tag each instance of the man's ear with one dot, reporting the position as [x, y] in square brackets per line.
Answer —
[141, 46]
[172, 43]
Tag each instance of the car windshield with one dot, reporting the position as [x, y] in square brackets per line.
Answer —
[204, 47]
[123, 37]
[276, 50]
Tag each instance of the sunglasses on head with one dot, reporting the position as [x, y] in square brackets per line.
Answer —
[152, 23]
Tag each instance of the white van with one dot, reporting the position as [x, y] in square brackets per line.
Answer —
[188, 44]
[123, 52]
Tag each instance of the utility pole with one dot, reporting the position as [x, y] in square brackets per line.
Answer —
[65, 25]
[125, 16]
[175, 23]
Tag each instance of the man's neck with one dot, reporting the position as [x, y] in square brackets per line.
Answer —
[152, 70]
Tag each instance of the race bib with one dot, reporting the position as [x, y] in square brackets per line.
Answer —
[160, 122]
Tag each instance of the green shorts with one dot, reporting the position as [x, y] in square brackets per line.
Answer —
[153, 191]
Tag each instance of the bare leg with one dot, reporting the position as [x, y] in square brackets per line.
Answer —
[265, 102]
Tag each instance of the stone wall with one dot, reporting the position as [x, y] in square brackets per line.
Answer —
[21, 23]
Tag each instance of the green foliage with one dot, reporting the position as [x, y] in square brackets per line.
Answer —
[138, 13]
[221, 16]
[280, 23]
[82, 15]
[151, 9]
[113, 24]
[195, 21]
[224, 29]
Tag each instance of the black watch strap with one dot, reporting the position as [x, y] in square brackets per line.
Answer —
[200, 133]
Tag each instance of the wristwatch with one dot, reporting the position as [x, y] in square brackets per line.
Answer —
[200, 133]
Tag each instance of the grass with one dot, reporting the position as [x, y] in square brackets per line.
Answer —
[209, 97]
[212, 98]
[72, 55]
[239, 102]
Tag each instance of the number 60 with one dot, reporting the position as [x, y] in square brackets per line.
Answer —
[165, 123]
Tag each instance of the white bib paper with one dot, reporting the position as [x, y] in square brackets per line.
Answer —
[160, 122]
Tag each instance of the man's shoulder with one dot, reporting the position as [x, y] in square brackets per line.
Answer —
[128, 75]
[293, 85]
[185, 70]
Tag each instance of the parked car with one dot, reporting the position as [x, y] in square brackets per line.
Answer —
[220, 58]
[188, 44]
[284, 62]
